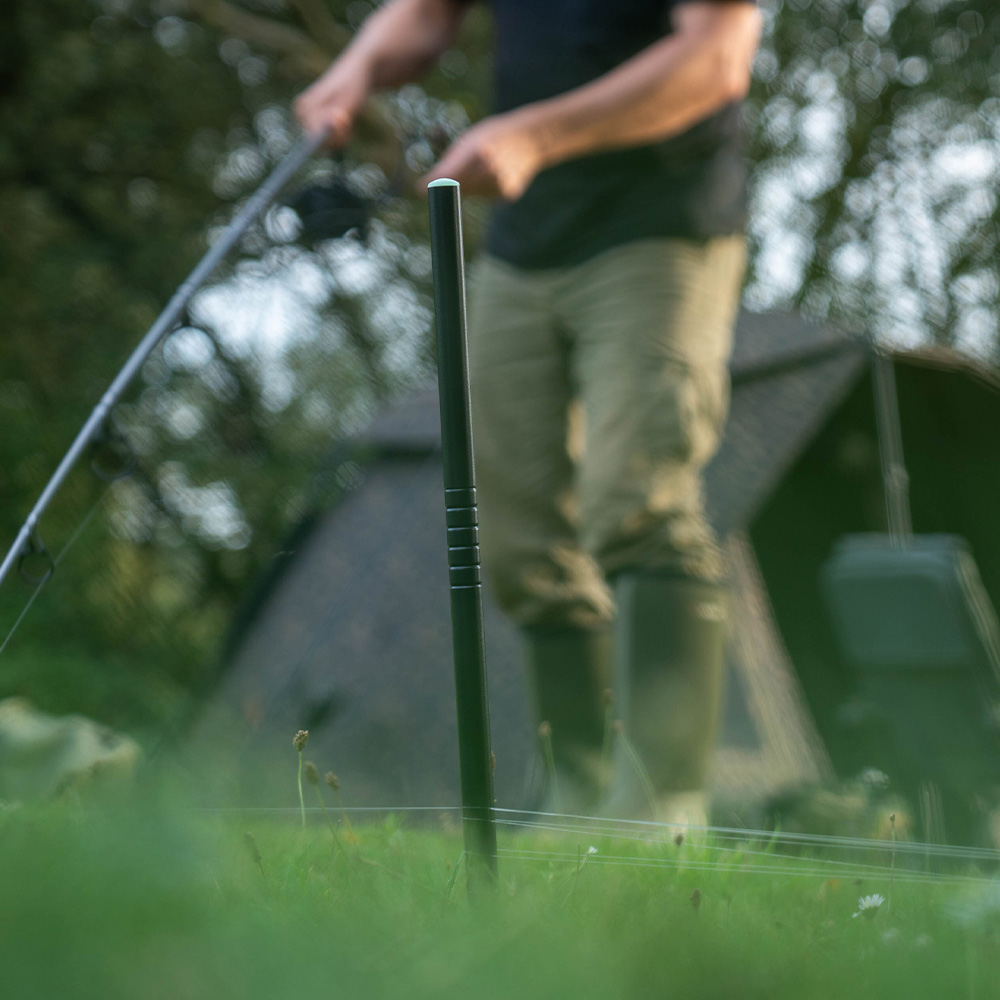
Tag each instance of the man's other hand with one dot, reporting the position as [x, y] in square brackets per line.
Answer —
[498, 158]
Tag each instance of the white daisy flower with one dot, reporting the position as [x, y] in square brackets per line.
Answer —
[868, 905]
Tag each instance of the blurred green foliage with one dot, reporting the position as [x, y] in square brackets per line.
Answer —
[105, 185]
[128, 134]
[131, 129]
[876, 136]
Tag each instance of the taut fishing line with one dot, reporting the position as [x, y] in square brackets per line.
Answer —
[776, 872]
[640, 828]
[690, 853]
[77, 532]
[698, 844]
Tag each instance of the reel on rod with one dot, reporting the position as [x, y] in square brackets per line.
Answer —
[330, 211]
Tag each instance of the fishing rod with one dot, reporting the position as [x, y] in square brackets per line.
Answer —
[28, 541]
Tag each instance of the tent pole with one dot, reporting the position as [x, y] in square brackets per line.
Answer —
[895, 480]
[475, 756]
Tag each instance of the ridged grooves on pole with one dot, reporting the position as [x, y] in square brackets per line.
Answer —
[462, 519]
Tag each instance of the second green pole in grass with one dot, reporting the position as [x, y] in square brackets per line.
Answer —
[475, 757]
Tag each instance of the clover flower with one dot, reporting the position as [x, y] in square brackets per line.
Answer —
[868, 905]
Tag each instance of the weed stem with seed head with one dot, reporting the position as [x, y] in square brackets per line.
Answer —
[299, 741]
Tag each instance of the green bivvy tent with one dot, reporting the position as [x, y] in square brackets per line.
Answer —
[349, 635]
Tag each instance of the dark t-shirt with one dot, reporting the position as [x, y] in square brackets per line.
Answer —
[692, 185]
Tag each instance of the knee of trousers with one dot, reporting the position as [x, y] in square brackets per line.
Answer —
[547, 585]
[641, 481]
[655, 529]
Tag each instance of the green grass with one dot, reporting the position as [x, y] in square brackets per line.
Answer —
[169, 904]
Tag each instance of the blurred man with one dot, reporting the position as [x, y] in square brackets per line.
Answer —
[600, 325]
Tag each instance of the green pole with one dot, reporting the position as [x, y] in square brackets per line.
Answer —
[462, 519]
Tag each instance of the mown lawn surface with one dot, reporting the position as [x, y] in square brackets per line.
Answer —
[171, 904]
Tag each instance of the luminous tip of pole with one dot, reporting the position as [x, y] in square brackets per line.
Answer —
[443, 182]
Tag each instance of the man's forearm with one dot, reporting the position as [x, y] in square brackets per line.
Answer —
[660, 92]
[400, 41]
[397, 44]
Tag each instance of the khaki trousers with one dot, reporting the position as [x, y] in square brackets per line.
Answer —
[599, 393]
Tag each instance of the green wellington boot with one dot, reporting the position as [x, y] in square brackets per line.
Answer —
[670, 657]
[569, 671]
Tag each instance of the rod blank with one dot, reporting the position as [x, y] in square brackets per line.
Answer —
[164, 324]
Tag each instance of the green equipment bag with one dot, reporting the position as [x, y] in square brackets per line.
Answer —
[912, 618]
[917, 625]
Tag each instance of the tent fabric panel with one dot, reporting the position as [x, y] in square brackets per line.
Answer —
[358, 635]
[771, 420]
